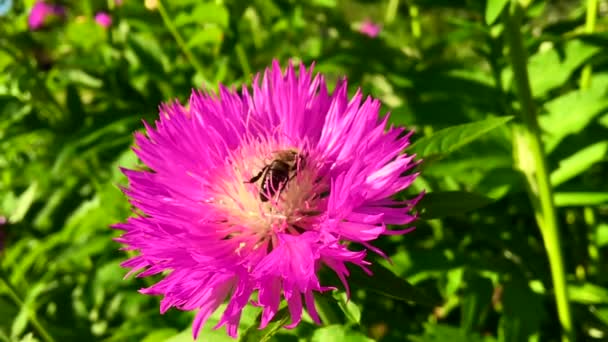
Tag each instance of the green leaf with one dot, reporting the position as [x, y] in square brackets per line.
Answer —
[572, 112]
[24, 203]
[442, 333]
[548, 69]
[338, 333]
[350, 309]
[204, 13]
[254, 334]
[160, 335]
[385, 282]
[588, 293]
[450, 203]
[325, 3]
[578, 163]
[210, 34]
[523, 311]
[493, 10]
[27, 309]
[569, 199]
[452, 138]
[476, 301]
[146, 52]
[602, 234]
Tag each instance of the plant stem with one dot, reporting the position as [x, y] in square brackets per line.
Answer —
[391, 11]
[589, 28]
[540, 190]
[12, 293]
[181, 42]
[416, 27]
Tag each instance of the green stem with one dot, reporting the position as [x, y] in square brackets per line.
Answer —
[391, 11]
[12, 293]
[589, 28]
[242, 57]
[181, 42]
[540, 187]
[416, 27]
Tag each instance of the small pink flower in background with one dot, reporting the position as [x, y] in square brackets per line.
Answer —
[103, 19]
[118, 2]
[42, 12]
[255, 191]
[369, 28]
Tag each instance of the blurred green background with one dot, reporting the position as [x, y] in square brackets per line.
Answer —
[73, 91]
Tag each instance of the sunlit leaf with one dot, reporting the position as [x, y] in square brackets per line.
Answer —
[588, 293]
[566, 199]
[452, 138]
[338, 333]
[579, 162]
[493, 10]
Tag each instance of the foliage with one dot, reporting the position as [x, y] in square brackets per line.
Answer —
[72, 93]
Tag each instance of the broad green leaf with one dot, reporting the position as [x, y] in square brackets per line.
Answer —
[549, 69]
[572, 112]
[254, 334]
[452, 138]
[385, 282]
[588, 293]
[578, 163]
[338, 333]
[203, 14]
[493, 10]
[569, 199]
[85, 34]
[450, 203]
[210, 34]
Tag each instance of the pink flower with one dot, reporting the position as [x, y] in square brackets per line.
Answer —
[103, 19]
[370, 29]
[42, 12]
[255, 191]
[118, 2]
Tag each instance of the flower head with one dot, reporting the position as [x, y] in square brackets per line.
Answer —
[370, 29]
[255, 191]
[42, 12]
[103, 19]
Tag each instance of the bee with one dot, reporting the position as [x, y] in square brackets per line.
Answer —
[275, 176]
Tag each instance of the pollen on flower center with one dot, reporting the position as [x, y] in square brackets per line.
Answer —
[267, 188]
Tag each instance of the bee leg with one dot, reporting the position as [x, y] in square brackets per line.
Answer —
[258, 176]
[284, 184]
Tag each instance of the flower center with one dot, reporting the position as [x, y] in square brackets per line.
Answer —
[265, 189]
